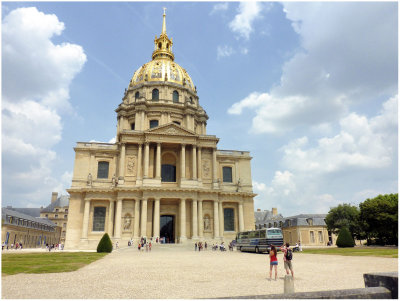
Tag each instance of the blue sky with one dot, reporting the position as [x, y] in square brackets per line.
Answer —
[314, 99]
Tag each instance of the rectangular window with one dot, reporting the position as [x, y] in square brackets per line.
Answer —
[65, 216]
[320, 236]
[133, 126]
[56, 216]
[102, 170]
[312, 239]
[229, 219]
[153, 123]
[66, 210]
[56, 210]
[227, 174]
[99, 218]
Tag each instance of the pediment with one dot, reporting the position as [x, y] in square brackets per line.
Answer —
[171, 129]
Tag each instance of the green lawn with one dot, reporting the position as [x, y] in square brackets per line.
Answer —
[38, 263]
[363, 251]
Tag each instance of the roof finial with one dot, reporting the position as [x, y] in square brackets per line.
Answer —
[164, 27]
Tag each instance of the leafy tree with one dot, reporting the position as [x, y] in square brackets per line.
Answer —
[380, 217]
[105, 244]
[344, 215]
[345, 240]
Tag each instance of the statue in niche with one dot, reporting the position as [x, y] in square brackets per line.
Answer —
[206, 168]
[89, 179]
[127, 222]
[114, 181]
[131, 165]
[207, 223]
[238, 186]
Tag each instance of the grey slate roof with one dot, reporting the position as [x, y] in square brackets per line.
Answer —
[296, 220]
[35, 212]
[62, 201]
[266, 216]
[5, 212]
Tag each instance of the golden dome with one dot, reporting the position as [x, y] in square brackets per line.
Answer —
[162, 66]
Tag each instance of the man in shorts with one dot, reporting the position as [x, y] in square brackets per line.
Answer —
[287, 261]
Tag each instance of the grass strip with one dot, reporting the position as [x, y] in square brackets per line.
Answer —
[39, 263]
[376, 252]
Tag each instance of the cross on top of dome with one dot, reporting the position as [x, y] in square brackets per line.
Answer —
[163, 44]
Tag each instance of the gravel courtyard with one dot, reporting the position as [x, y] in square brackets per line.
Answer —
[173, 271]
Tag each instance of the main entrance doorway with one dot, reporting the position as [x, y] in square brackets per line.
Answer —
[167, 229]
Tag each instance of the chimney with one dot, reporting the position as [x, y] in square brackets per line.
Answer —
[258, 210]
[274, 211]
[54, 196]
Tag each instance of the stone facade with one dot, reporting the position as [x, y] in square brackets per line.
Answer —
[31, 231]
[57, 212]
[164, 176]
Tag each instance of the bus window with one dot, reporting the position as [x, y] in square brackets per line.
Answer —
[244, 235]
[254, 234]
[274, 231]
[263, 233]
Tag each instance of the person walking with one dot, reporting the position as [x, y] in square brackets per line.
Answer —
[195, 246]
[273, 262]
[150, 247]
[287, 259]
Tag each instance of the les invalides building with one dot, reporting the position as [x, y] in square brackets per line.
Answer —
[164, 177]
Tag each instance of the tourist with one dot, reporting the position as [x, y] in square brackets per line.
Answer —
[150, 246]
[205, 246]
[3, 245]
[138, 246]
[195, 246]
[157, 240]
[273, 262]
[287, 259]
[300, 248]
[147, 247]
[116, 245]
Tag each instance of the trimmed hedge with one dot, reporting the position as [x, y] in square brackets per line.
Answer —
[345, 240]
[105, 244]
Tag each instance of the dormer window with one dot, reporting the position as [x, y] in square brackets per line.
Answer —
[309, 221]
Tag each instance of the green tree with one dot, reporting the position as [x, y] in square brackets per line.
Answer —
[380, 217]
[105, 244]
[345, 215]
[345, 240]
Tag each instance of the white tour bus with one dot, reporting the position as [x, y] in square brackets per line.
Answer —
[259, 240]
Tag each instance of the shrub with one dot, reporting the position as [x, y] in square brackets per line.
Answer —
[105, 244]
[345, 240]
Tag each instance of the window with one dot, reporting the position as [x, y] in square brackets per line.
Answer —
[269, 225]
[312, 240]
[175, 96]
[265, 225]
[47, 215]
[191, 99]
[263, 233]
[275, 224]
[168, 173]
[137, 96]
[309, 221]
[56, 216]
[280, 224]
[64, 225]
[227, 174]
[65, 216]
[56, 210]
[133, 126]
[66, 210]
[177, 122]
[254, 234]
[153, 123]
[102, 170]
[229, 219]
[155, 94]
[99, 218]
[320, 236]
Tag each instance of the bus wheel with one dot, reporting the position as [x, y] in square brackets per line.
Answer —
[257, 250]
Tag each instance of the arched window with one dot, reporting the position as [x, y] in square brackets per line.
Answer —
[227, 174]
[229, 219]
[280, 224]
[159, 45]
[155, 94]
[99, 218]
[175, 96]
[269, 225]
[191, 99]
[153, 123]
[102, 170]
[275, 224]
[137, 95]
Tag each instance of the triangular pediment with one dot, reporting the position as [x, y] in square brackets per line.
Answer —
[171, 129]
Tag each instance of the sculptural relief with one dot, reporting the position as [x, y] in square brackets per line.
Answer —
[130, 167]
[206, 168]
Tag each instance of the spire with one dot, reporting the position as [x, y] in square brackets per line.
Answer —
[164, 26]
[163, 44]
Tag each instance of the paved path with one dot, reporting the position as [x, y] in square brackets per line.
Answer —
[179, 272]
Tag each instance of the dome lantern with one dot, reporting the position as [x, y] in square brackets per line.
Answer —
[163, 44]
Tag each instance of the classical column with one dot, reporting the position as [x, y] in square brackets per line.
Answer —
[241, 220]
[111, 219]
[183, 163]
[122, 162]
[200, 218]
[143, 226]
[142, 121]
[214, 155]
[194, 165]
[137, 218]
[156, 222]
[146, 160]
[194, 218]
[199, 167]
[85, 225]
[118, 214]
[183, 220]
[158, 161]
[139, 162]
[221, 219]
[216, 220]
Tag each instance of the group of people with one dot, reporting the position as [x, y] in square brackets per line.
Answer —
[143, 244]
[287, 260]
[199, 246]
[18, 245]
[215, 247]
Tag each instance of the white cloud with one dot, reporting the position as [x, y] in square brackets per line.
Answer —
[36, 77]
[248, 12]
[224, 51]
[219, 7]
[338, 65]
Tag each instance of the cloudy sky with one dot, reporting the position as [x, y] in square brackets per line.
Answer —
[310, 89]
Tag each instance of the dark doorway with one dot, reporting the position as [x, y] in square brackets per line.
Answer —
[168, 173]
[167, 228]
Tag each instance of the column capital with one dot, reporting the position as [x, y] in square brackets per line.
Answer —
[183, 144]
[159, 143]
[140, 143]
[87, 200]
[147, 142]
